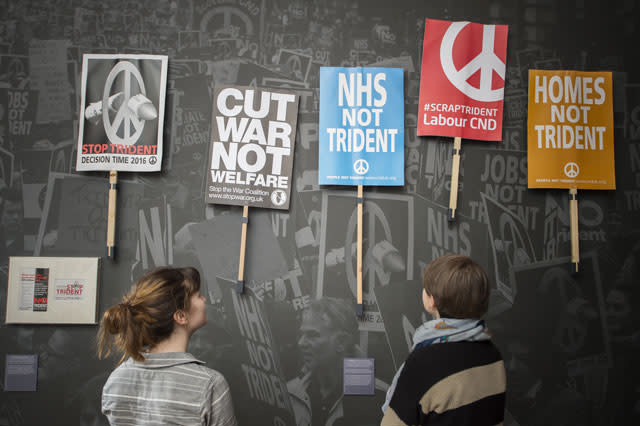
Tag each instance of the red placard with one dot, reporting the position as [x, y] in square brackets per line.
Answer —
[462, 80]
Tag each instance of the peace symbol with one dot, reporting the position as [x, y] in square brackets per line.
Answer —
[486, 61]
[58, 162]
[571, 170]
[378, 223]
[124, 119]
[16, 67]
[224, 17]
[278, 197]
[361, 166]
[295, 66]
[517, 246]
[571, 333]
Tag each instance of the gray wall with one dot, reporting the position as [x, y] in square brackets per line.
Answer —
[570, 341]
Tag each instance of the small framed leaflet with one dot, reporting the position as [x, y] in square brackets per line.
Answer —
[52, 290]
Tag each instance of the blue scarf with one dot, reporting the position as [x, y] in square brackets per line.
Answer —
[440, 331]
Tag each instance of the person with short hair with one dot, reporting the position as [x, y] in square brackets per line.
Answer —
[157, 381]
[454, 374]
[328, 334]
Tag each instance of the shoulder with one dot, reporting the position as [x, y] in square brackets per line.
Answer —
[298, 385]
[435, 362]
[468, 352]
[185, 372]
[213, 377]
[443, 377]
[121, 371]
[216, 382]
[185, 363]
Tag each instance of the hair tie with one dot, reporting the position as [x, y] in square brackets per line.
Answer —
[124, 306]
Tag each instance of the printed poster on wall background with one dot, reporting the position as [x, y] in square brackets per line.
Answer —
[34, 289]
[253, 135]
[256, 368]
[361, 126]
[570, 130]
[52, 290]
[462, 80]
[19, 117]
[122, 112]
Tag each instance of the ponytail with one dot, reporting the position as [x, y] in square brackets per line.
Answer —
[145, 315]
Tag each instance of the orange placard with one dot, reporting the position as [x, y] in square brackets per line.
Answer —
[570, 130]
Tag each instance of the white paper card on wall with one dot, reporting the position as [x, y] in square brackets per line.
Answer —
[21, 373]
[52, 290]
[359, 376]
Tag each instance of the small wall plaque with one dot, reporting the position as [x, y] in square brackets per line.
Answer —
[359, 376]
[21, 373]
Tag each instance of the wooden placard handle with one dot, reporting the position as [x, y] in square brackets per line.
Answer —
[359, 306]
[575, 236]
[455, 171]
[111, 215]
[243, 246]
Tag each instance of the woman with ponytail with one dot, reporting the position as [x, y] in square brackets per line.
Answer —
[157, 381]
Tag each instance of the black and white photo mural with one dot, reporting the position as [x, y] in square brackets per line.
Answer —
[570, 342]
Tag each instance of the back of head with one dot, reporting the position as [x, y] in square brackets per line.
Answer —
[458, 285]
[145, 315]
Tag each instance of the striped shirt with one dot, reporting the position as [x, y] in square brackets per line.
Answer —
[454, 383]
[167, 389]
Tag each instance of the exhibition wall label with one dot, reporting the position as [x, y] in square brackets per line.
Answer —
[253, 135]
[570, 130]
[462, 80]
[122, 113]
[361, 126]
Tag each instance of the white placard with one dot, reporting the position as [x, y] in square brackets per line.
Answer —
[52, 290]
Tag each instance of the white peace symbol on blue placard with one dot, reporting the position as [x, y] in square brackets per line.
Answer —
[361, 166]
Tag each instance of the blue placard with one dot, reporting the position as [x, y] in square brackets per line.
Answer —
[361, 126]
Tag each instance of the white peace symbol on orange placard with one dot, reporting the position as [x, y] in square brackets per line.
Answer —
[571, 169]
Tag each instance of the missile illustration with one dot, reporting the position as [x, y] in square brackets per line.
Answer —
[139, 105]
[382, 253]
[93, 112]
[336, 256]
[386, 255]
[142, 107]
